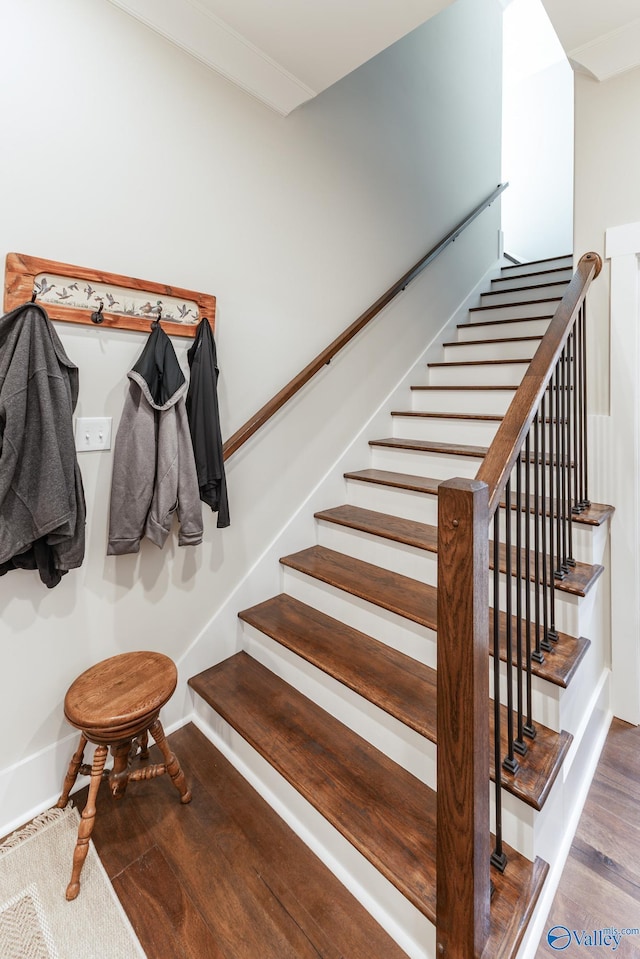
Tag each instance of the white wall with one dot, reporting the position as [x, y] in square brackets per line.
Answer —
[607, 201]
[537, 160]
[121, 153]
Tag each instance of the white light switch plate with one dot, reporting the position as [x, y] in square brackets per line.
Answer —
[93, 433]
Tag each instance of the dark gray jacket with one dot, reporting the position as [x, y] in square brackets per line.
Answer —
[42, 508]
[154, 472]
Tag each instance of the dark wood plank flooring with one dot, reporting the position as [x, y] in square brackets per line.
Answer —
[600, 885]
[224, 877]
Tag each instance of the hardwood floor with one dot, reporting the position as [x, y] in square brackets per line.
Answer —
[224, 878]
[600, 885]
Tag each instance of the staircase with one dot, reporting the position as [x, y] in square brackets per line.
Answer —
[331, 702]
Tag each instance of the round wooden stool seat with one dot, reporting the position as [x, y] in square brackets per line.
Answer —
[119, 697]
[116, 704]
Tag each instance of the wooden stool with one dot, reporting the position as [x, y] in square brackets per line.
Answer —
[116, 704]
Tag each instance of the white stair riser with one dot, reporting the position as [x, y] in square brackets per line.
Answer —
[524, 269]
[418, 463]
[413, 932]
[396, 631]
[462, 401]
[443, 430]
[517, 311]
[484, 374]
[409, 504]
[526, 295]
[489, 331]
[521, 349]
[540, 279]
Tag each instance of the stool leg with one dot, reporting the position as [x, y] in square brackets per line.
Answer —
[143, 742]
[172, 764]
[86, 823]
[72, 772]
[118, 777]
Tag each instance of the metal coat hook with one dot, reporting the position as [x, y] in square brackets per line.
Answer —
[97, 316]
[158, 316]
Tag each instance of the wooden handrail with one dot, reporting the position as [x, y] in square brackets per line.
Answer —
[504, 451]
[286, 393]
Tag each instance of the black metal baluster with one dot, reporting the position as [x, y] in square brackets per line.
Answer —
[498, 856]
[544, 559]
[570, 411]
[528, 727]
[575, 421]
[519, 745]
[582, 319]
[550, 634]
[536, 655]
[559, 571]
[510, 763]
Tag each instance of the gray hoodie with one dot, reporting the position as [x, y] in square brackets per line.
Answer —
[154, 472]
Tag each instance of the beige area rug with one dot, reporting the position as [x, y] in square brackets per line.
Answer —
[36, 921]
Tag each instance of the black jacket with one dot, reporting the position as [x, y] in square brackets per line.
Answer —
[42, 508]
[204, 422]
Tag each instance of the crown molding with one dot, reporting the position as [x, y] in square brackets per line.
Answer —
[220, 48]
[610, 54]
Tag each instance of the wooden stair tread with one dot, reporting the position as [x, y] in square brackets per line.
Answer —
[578, 581]
[408, 481]
[418, 602]
[515, 319]
[548, 299]
[418, 414]
[522, 289]
[429, 446]
[545, 259]
[446, 363]
[511, 389]
[505, 339]
[401, 686]
[385, 812]
[594, 515]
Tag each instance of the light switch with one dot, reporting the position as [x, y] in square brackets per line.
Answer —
[93, 433]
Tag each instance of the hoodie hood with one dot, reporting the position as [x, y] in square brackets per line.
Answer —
[158, 372]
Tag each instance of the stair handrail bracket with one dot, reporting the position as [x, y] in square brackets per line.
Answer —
[532, 482]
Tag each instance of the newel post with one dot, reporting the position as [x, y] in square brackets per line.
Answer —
[463, 840]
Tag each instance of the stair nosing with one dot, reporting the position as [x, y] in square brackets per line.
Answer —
[505, 339]
[450, 363]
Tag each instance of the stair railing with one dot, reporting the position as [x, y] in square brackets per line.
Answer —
[265, 413]
[536, 470]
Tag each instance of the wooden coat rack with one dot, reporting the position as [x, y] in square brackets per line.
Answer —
[76, 294]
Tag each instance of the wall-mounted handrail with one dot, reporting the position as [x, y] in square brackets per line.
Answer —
[286, 393]
[501, 457]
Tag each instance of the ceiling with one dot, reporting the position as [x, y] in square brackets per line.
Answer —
[285, 52]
